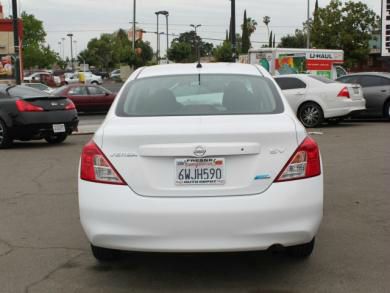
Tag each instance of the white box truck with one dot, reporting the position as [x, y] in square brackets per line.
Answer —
[280, 61]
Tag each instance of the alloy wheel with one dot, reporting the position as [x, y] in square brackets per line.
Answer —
[311, 115]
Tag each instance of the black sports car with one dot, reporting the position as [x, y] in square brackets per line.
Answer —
[27, 114]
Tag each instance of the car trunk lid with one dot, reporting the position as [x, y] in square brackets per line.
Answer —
[148, 152]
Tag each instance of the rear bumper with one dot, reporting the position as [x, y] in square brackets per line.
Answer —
[40, 125]
[345, 108]
[287, 213]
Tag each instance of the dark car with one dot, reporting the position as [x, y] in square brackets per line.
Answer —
[87, 98]
[102, 73]
[376, 91]
[27, 114]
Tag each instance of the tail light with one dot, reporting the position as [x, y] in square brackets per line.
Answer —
[304, 163]
[24, 106]
[96, 167]
[70, 106]
[344, 93]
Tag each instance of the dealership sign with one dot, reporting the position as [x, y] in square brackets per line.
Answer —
[385, 27]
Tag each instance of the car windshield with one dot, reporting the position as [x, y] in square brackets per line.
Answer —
[25, 92]
[38, 86]
[58, 90]
[199, 94]
[322, 79]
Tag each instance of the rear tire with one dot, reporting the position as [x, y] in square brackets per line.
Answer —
[105, 254]
[302, 250]
[386, 110]
[56, 139]
[311, 115]
[94, 82]
[5, 139]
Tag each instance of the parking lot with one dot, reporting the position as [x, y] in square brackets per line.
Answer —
[43, 248]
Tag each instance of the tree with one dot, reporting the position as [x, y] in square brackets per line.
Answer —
[111, 50]
[192, 40]
[224, 52]
[246, 43]
[35, 52]
[270, 40]
[180, 52]
[347, 26]
[33, 32]
[298, 40]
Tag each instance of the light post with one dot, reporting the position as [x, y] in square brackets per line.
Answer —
[71, 50]
[158, 40]
[197, 43]
[134, 14]
[75, 48]
[166, 14]
[59, 48]
[233, 28]
[63, 48]
[308, 24]
[267, 20]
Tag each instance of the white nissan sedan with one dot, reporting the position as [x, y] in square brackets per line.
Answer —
[203, 158]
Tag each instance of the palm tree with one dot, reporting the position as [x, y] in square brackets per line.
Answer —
[251, 26]
[267, 20]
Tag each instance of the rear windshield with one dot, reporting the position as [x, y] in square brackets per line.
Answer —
[199, 94]
[322, 78]
[25, 92]
[59, 90]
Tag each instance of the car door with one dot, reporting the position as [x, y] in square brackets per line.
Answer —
[80, 97]
[98, 98]
[376, 90]
[294, 89]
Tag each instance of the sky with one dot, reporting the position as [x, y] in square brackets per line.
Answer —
[87, 19]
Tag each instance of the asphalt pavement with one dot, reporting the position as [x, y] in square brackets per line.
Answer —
[43, 248]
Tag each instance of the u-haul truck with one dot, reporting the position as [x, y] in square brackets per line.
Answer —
[280, 61]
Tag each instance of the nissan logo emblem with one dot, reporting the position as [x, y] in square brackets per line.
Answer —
[199, 151]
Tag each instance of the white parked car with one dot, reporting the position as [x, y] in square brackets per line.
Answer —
[92, 78]
[200, 159]
[38, 77]
[315, 98]
[115, 74]
[71, 78]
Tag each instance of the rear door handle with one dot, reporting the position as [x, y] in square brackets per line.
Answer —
[383, 91]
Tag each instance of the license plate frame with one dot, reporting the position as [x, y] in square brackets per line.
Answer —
[200, 171]
[59, 128]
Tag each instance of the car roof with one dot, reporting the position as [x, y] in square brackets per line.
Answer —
[293, 75]
[207, 68]
[383, 74]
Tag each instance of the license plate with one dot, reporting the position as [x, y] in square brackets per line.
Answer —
[58, 128]
[200, 171]
[356, 90]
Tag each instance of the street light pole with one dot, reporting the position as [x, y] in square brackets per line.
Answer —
[166, 14]
[308, 24]
[134, 14]
[71, 50]
[233, 28]
[16, 40]
[63, 48]
[197, 42]
[166, 17]
[158, 41]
